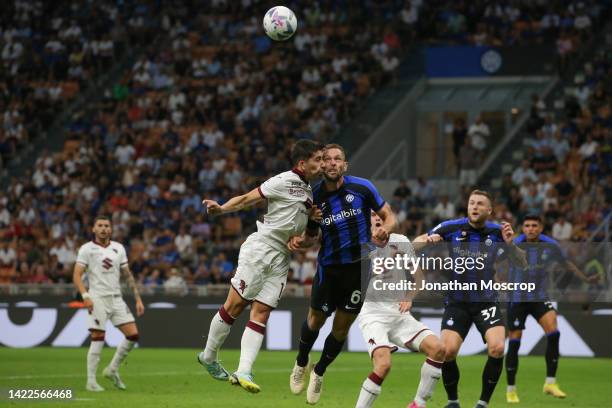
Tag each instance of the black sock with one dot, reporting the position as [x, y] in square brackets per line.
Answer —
[331, 349]
[307, 339]
[490, 375]
[512, 360]
[450, 377]
[552, 353]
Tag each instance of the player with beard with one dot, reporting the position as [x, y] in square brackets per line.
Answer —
[479, 307]
[346, 203]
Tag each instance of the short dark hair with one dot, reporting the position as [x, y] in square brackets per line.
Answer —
[532, 217]
[482, 193]
[303, 149]
[102, 218]
[336, 146]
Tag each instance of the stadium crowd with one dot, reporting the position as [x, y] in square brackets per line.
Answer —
[205, 113]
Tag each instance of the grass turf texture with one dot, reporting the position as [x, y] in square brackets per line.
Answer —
[173, 378]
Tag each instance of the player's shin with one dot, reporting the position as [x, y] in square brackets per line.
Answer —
[93, 358]
[490, 376]
[450, 377]
[307, 340]
[250, 345]
[431, 371]
[331, 349]
[512, 362]
[552, 356]
[220, 327]
[122, 351]
[370, 389]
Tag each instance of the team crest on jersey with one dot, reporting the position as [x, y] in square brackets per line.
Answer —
[349, 198]
[107, 263]
[488, 241]
[242, 286]
[371, 342]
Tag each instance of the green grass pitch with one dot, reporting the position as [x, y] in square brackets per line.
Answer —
[172, 378]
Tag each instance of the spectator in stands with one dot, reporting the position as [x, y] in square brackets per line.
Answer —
[479, 133]
[459, 133]
[523, 172]
[402, 191]
[444, 210]
[562, 229]
[468, 164]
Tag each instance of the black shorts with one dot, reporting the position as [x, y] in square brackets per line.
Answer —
[459, 316]
[337, 287]
[518, 312]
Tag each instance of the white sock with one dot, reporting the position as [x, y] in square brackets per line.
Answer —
[551, 380]
[121, 353]
[431, 372]
[220, 327]
[484, 404]
[249, 346]
[93, 358]
[511, 388]
[369, 391]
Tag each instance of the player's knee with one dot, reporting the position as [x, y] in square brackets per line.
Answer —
[133, 337]
[315, 322]
[496, 349]
[382, 367]
[438, 352]
[515, 334]
[340, 334]
[450, 353]
[97, 336]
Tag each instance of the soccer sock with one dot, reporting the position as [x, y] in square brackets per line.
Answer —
[431, 371]
[331, 349]
[490, 376]
[122, 351]
[93, 358]
[249, 346]
[307, 340]
[450, 378]
[370, 389]
[552, 353]
[512, 361]
[220, 326]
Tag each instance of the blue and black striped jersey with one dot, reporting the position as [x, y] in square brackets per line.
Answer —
[346, 219]
[466, 241]
[541, 256]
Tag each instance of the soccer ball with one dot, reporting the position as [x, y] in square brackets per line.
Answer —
[280, 23]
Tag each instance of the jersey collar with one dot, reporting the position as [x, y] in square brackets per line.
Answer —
[300, 174]
[99, 244]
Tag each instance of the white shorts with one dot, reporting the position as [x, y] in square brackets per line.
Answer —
[401, 330]
[111, 308]
[261, 274]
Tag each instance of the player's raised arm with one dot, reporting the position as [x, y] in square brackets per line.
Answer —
[77, 279]
[516, 255]
[234, 204]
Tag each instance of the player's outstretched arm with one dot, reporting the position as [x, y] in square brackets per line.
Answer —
[77, 279]
[127, 273]
[581, 275]
[234, 204]
[423, 240]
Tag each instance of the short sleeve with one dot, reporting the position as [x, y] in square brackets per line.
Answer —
[123, 260]
[83, 256]
[273, 188]
[442, 229]
[375, 200]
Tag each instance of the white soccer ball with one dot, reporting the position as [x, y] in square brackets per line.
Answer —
[280, 23]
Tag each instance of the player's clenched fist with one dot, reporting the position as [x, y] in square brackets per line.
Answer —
[316, 214]
[212, 207]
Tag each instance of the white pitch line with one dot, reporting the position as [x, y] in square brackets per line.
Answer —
[162, 373]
